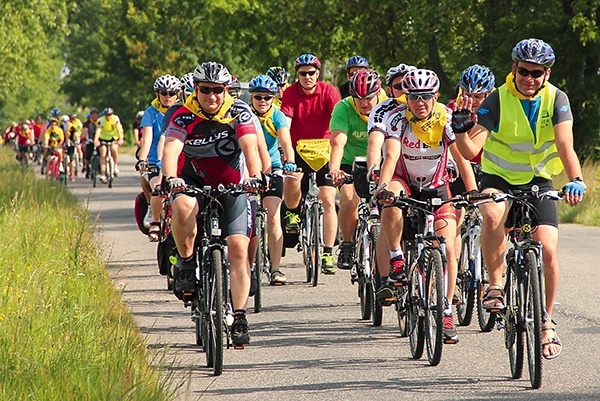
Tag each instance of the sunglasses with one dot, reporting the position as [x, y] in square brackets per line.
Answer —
[208, 90]
[414, 97]
[398, 87]
[265, 98]
[524, 72]
[165, 93]
[305, 73]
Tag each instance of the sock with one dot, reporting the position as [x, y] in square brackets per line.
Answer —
[327, 249]
[396, 252]
[188, 259]
[239, 314]
[448, 311]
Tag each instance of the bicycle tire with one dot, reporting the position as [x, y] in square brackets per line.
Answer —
[306, 251]
[66, 162]
[434, 305]
[365, 293]
[110, 170]
[533, 319]
[214, 311]
[513, 334]
[259, 260]
[316, 243]
[376, 309]
[416, 329]
[464, 281]
[485, 319]
[94, 169]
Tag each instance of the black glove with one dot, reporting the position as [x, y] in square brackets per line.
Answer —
[385, 194]
[461, 121]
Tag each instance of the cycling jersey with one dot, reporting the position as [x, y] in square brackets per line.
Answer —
[91, 133]
[23, 137]
[345, 119]
[37, 130]
[271, 122]
[211, 153]
[420, 165]
[54, 136]
[76, 127]
[310, 113]
[110, 127]
[153, 118]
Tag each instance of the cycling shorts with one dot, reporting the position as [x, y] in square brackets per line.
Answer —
[276, 187]
[322, 180]
[545, 211]
[89, 150]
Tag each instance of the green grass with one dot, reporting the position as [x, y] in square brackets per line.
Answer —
[64, 332]
[588, 211]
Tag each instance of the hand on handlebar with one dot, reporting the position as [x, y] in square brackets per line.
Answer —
[338, 177]
[386, 197]
[253, 184]
[175, 184]
[290, 167]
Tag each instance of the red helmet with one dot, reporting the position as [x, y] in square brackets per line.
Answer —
[364, 84]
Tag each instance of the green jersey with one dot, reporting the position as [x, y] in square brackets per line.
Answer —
[344, 118]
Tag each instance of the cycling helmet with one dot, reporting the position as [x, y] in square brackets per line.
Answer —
[167, 83]
[420, 81]
[65, 118]
[109, 111]
[357, 61]
[235, 83]
[73, 116]
[187, 83]
[279, 75]
[52, 120]
[398, 71]
[212, 72]
[139, 114]
[307, 60]
[55, 112]
[24, 126]
[534, 51]
[364, 84]
[262, 83]
[477, 79]
[93, 110]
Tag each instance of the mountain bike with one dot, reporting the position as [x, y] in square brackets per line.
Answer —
[472, 279]
[525, 312]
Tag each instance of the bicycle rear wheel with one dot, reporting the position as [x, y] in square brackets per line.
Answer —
[464, 279]
[415, 323]
[513, 334]
[533, 319]
[214, 314]
[315, 216]
[434, 302]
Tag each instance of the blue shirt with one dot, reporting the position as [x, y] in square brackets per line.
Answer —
[153, 118]
[279, 121]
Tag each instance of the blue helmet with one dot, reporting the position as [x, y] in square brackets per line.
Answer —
[307, 60]
[534, 51]
[357, 61]
[55, 112]
[262, 83]
[477, 79]
[279, 75]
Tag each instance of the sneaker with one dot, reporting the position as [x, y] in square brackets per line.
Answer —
[397, 269]
[278, 278]
[185, 275]
[327, 266]
[385, 295]
[102, 178]
[346, 256]
[291, 222]
[148, 218]
[239, 332]
[450, 334]
[253, 283]
[117, 171]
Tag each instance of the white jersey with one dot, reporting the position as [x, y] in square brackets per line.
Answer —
[421, 166]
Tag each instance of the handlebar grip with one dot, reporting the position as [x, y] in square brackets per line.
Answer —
[478, 196]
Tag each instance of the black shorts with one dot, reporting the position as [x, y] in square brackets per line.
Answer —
[276, 188]
[322, 179]
[545, 212]
[89, 149]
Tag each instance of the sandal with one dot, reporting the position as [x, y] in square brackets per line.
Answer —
[493, 302]
[553, 340]
[154, 232]
[278, 278]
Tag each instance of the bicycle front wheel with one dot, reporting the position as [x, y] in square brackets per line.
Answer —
[306, 245]
[110, 170]
[415, 323]
[513, 334]
[376, 309]
[214, 314]
[365, 293]
[315, 242]
[260, 259]
[434, 305]
[533, 319]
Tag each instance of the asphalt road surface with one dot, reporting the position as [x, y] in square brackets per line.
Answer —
[310, 344]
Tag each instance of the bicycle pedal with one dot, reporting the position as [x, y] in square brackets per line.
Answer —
[450, 341]
[398, 284]
[238, 347]
[388, 302]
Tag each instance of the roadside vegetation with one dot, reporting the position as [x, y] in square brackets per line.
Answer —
[65, 333]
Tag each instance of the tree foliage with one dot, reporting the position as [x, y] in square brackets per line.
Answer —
[116, 48]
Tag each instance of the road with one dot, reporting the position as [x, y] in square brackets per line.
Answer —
[310, 344]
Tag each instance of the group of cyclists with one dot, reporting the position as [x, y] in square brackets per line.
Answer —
[58, 135]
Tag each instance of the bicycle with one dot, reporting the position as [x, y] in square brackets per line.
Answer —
[525, 311]
[472, 279]
[166, 248]
[212, 308]
[421, 305]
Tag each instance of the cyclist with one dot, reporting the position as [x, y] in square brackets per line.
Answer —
[354, 64]
[526, 131]
[109, 130]
[167, 89]
[137, 131]
[25, 141]
[277, 134]
[282, 79]
[207, 141]
[308, 103]
[419, 139]
[88, 133]
[54, 137]
[349, 137]
[235, 87]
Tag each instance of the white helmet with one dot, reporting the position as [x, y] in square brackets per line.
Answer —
[168, 83]
[421, 81]
[212, 72]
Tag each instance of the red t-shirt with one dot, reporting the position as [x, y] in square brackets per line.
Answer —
[310, 113]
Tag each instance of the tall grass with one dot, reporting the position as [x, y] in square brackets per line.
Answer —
[588, 211]
[64, 332]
